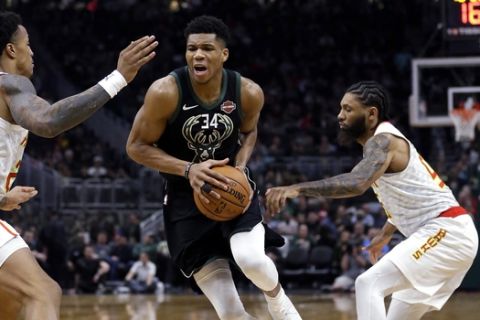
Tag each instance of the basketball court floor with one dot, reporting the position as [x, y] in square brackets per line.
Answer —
[313, 306]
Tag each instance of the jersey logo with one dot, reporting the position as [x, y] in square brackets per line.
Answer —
[429, 244]
[228, 106]
[185, 107]
[205, 135]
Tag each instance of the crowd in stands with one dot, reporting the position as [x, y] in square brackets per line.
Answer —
[303, 66]
[79, 153]
[304, 54]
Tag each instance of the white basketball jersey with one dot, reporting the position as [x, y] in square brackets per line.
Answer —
[12, 145]
[416, 194]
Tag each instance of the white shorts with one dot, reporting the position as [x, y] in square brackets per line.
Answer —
[7, 232]
[435, 259]
[9, 247]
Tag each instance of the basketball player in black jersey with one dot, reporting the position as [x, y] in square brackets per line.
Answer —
[191, 121]
[24, 287]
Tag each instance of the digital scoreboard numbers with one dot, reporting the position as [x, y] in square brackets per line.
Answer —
[462, 19]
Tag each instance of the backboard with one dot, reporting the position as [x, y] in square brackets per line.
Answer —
[440, 85]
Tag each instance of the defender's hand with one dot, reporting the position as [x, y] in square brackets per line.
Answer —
[277, 198]
[133, 57]
[375, 247]
[201, 176]
[17, 196]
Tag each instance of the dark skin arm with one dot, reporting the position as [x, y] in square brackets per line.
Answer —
[38, 116]
[252, 104]
[379, 241]
[378, 152]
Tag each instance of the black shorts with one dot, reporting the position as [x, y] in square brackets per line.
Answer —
[193, 239]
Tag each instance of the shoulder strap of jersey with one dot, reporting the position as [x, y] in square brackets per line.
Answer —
[235, 84]
[180, 75]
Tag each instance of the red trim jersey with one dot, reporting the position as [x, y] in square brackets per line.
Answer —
[12, 146]
[415, 195]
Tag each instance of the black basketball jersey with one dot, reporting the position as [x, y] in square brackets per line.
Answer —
[199, 131]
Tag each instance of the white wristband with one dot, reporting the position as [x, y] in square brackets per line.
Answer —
[113, 83]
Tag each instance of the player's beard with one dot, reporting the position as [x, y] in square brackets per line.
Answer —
[350, 134]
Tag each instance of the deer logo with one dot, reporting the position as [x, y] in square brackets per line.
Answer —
[209, 138]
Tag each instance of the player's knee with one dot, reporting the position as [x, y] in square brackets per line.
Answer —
[362, 282]
[250, 264]
[44, 290]
[55, 291]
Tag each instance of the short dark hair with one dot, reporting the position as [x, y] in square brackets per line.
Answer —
[9, 22]
[208, 24]
[371, 93]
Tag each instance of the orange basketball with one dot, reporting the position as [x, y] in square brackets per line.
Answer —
[232, 202]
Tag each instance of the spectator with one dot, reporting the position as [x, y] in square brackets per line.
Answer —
[121, 256]
[303, 239]
[97, 170]
[101, 246]
[37, 251]
[353, 263]
[90, 271]
[53, 237]
[141, 277]
[148, 246]
[132, 228]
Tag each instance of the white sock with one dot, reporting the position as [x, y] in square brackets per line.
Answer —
[281, 308]
[280, 301]
[278, 298]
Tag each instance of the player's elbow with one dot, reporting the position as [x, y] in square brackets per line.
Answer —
[362, 188]
[359, 183]
[48, 126]
[359, 188]
[46, 131]
[133, 150]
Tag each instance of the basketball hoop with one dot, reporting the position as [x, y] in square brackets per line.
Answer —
[465, 121]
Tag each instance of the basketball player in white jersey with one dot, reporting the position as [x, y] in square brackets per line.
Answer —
[24, 287]
[424, 270]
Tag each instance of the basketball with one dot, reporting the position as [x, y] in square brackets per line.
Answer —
[232, 202]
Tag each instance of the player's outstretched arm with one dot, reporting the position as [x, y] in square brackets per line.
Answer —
[38, 116]
[378, 155]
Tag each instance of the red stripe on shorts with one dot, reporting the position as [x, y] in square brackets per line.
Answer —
[8, 229]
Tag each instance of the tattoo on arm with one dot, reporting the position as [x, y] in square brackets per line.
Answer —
[37, 115]
[359, 179]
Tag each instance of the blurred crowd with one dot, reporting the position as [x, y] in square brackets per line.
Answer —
[304, 54]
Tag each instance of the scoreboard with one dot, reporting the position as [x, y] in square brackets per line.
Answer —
[462, 19]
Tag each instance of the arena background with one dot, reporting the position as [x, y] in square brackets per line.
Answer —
[304, 54]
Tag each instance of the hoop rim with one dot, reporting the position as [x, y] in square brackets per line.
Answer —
[464, 123]
[466, 114]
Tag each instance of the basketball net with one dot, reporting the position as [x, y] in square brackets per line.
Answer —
[465, 121]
